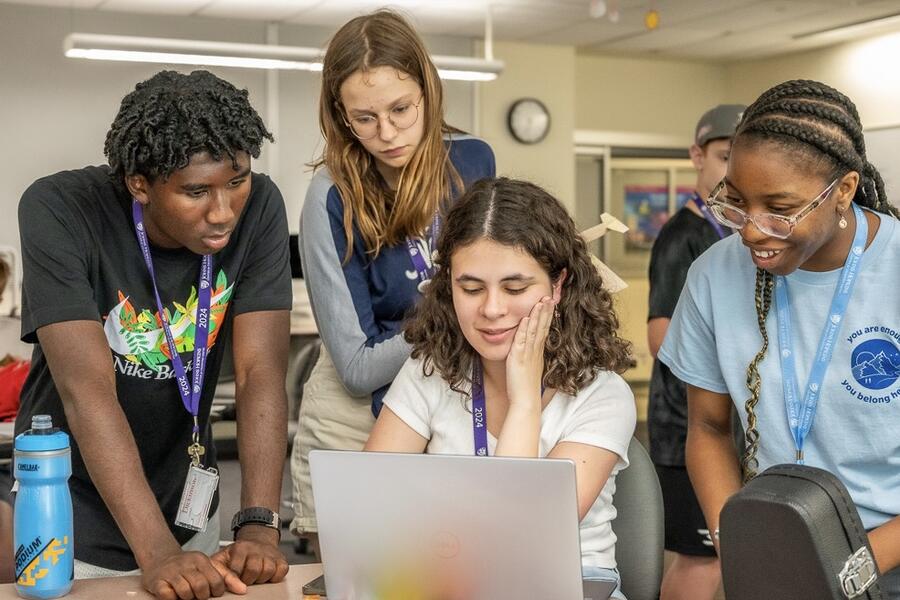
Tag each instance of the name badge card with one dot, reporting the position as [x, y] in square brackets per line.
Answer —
[199, 488]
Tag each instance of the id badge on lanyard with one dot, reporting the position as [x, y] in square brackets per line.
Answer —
[802, 410]
[424, 272]
[201, 483]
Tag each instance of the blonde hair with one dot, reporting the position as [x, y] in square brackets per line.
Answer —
[384, 218]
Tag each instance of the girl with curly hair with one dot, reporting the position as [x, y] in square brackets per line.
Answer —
[515, 353]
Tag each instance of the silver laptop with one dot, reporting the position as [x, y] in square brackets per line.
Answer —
[448, 527]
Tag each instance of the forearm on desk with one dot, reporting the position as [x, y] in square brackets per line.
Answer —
[88, 391]
[260, 353]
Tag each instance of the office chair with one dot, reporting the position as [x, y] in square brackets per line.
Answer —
[639, 526]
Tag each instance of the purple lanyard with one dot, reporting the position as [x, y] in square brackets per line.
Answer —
[479, 410]
[708, 215]
[190, 394]
[424, 272]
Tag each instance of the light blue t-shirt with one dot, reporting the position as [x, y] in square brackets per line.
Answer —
[713, 336]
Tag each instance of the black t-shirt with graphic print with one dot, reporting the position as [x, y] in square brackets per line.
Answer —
[81, 261]
[682, 239]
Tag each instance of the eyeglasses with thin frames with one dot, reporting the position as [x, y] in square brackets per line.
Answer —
[778, 226]
[403, 116]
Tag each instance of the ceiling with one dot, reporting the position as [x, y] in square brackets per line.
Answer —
[708, 30]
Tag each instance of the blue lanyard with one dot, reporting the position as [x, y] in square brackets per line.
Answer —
[422, 270]
[801, 415]
[708, 215]
[190, 392]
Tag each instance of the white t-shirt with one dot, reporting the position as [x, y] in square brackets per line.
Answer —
[602, 414]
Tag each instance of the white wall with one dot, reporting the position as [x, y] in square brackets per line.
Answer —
[659, 97]
[865, 70]
[548, 74]
[56, 110]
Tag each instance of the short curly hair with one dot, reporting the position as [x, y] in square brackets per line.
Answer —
[172, 116]
[581, 342]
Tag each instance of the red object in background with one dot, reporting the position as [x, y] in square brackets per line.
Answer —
[12, 378]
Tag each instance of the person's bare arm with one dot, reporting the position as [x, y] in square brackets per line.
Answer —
[885, 541]
[712, 461]
[261, 348]
[88, 391]
[593, 466]
[656, 333]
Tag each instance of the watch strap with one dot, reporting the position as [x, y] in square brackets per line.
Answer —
[256, 515]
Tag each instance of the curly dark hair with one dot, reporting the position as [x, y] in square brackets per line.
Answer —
[172, 116]
[820, 127]
[582, 341]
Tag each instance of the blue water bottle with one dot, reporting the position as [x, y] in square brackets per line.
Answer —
[43, 512]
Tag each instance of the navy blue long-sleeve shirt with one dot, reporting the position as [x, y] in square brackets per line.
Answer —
[359, 306]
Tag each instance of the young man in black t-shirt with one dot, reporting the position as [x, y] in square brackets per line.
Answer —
[179, 155]
[694, 574]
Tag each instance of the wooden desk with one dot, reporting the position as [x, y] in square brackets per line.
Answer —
[128, 588]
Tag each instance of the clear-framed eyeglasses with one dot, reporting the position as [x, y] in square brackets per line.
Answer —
[778, 226]
[401, 116]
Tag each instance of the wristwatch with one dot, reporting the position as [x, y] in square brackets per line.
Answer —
[256, 515]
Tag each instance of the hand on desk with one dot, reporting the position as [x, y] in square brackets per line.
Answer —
[190, 575]
[255, 556]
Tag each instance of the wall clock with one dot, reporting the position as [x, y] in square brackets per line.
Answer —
[528, 120]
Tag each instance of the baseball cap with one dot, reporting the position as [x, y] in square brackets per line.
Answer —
[718, 122]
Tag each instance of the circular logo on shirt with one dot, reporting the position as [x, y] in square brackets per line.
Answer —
[876, 364]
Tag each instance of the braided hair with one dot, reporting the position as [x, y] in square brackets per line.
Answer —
[822, 126]
[172, 116]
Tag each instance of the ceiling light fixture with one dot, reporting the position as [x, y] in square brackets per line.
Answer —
[251, 56]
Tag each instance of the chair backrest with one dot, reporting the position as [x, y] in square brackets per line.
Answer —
[639, 526]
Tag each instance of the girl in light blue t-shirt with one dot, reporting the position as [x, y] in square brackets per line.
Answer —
[804, 303]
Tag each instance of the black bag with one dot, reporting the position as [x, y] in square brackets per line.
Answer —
[793, 533]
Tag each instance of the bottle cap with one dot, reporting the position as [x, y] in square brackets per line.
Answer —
[42, 436]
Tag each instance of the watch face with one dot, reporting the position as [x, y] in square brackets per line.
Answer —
[529, 120]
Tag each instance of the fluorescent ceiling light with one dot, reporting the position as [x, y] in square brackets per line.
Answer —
[251, 56]
[466, 75]
[850, 29]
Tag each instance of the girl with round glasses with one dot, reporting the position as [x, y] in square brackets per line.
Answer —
[389, 169]
[797, 319]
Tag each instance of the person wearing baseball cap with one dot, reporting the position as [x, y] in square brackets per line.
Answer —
[694, 574]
